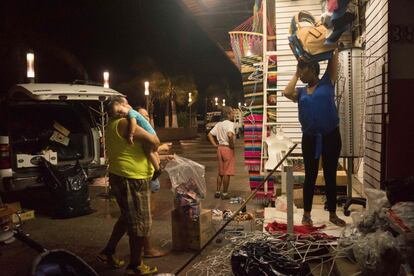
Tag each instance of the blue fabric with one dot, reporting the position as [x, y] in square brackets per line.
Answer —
[141, 121]
[340, 11]
[155, 185]
[317, 112]
[336, 35]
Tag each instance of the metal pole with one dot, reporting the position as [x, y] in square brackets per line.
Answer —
[289, 197]
[349, 176]
[190, 118]
[102, 113]
[147, 102]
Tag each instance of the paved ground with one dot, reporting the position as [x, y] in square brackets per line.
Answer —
[85, 236]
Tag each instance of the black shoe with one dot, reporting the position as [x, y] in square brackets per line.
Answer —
[156, 174]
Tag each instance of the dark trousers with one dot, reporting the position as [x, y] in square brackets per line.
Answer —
[331, 148]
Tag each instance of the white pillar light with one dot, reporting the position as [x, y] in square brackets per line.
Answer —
[189, 97]
[239, 104]
[216, 101]
[106, 79]
[224, 102]
[30, 66]
[146, 92]
[245, 104]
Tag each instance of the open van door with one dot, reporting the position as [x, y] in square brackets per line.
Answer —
[61, 123]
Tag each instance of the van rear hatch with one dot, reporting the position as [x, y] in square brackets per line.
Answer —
[56, 121]
[61, 92]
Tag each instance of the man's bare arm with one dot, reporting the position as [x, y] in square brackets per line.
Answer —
[211, 139]
[231, 139]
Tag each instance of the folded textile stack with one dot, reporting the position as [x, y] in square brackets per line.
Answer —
[337, 18]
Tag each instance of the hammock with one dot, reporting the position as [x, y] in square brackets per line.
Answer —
[247, 38]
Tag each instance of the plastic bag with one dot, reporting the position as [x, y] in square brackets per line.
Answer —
[405, 213]
[69, 187]
[377, 199]
[374, 252]
[182, 170]
[281, 204]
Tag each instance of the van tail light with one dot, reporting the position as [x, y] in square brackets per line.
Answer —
[5, 156]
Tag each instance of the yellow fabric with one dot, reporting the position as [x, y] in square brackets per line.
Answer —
[124, 159]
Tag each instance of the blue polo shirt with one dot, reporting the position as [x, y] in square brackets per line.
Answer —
[317, 111]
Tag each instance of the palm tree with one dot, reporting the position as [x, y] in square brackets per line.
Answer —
[172, 91]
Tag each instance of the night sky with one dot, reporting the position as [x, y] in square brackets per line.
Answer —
[130, 38]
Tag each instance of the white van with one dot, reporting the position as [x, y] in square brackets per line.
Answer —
[60, 122]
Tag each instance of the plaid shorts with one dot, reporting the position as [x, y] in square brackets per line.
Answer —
[133, 198]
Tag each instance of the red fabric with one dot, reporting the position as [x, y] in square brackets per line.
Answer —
[226, 160]
[332, 5]
[301, 230]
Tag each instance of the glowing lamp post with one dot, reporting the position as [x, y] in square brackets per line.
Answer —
[216, 101]
[146, 93]
[30, 67]
[189, 104]
[106, 79]
[224, 102]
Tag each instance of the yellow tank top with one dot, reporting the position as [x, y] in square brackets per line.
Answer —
[125, 159]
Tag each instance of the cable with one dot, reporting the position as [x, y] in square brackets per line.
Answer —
[237, 212]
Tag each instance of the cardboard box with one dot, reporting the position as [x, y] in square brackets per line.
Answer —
[298, 198]
[29, 161]
[188, 234]
[239, 226]
[341, 178]
[24, 214]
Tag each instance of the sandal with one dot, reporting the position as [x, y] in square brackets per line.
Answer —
[110, 260]
[307, 221]
[337, 221]
[154, 253]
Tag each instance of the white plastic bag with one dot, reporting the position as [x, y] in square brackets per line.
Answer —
[377, 199]
[182, 170]
[281, 204]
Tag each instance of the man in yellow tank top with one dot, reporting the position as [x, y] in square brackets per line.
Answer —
[129, 176]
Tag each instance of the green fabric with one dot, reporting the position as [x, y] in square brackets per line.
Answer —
[124, 159]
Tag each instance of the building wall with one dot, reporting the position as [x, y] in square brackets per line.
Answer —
[400, 127]
[286, 63]
[376, 89]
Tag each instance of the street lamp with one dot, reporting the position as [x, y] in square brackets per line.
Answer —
[224, 102]
[189, 104]
[106, 79]
[146, 93]
[30, 66]
[216, 101]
